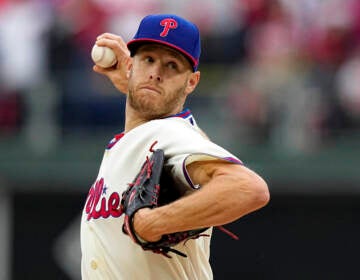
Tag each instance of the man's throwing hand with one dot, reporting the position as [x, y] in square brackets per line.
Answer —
[118, 74]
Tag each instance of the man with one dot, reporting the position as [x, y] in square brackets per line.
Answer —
[157, 75]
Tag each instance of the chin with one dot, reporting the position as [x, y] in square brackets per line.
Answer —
[153, 112]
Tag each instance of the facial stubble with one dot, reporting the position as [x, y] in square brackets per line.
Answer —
[165, 104]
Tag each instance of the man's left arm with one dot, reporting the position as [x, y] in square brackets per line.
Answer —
[228, 192]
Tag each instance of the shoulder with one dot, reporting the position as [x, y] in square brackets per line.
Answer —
[175, 125]
[179, 125]
[177, 132]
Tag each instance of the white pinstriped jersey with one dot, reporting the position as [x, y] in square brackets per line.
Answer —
[107, 253]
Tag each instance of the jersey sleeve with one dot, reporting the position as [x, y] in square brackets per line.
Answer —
[184, 144]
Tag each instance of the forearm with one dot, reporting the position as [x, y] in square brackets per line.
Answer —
[215, 204]
[222, 200]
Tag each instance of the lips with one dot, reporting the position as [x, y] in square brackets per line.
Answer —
[151, 88]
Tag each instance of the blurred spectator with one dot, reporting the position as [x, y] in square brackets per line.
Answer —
[11, 112]
[123, 15]
[348, 88]
[83, 19]
[273, 38]
[268, 95]
[23, 53]
[247, 107]
[23, 49]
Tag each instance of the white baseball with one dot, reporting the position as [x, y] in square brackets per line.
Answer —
[103, 56]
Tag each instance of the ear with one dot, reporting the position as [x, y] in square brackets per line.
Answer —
[192, 82]
[128, 70]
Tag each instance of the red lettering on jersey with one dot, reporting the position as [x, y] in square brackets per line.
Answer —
[168, 24]
[111, 207]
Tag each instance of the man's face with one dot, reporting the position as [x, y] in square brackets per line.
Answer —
[159, 82]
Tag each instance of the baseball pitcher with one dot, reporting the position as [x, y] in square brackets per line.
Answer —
[162, 184]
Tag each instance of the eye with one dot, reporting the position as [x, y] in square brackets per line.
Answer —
[149, 59]
[172, 65]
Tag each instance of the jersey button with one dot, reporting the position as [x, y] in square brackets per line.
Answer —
[93, 265]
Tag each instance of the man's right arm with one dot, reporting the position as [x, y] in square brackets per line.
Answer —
[118, 74]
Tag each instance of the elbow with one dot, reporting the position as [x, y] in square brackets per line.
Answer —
[263, 195]
[260, 193]
[247, 190]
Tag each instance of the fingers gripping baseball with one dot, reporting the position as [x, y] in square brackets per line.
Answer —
[116, 60]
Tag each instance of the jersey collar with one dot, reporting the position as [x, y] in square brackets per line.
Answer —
[186, 115]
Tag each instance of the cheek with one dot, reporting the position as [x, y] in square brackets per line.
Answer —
[133, 80]
[135, 71]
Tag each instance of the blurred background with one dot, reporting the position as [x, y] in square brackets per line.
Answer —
[280, 88]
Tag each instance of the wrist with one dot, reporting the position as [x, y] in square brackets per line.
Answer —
[146, 226]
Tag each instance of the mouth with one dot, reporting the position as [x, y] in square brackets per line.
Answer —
[151, 88]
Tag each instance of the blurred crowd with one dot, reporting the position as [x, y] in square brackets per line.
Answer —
[292, 74]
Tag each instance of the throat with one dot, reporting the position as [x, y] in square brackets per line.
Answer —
[133, 119]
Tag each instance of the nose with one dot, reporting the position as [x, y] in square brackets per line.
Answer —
[155, 73]
[156, 77]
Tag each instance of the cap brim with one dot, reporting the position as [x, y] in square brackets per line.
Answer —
[133, 45]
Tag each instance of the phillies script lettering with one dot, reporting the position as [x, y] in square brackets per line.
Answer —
[97, 206]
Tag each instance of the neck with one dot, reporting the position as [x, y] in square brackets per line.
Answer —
[133, 119]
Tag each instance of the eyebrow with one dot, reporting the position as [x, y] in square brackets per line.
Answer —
[170, 51]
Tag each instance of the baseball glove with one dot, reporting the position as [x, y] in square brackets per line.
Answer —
[148, 190]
